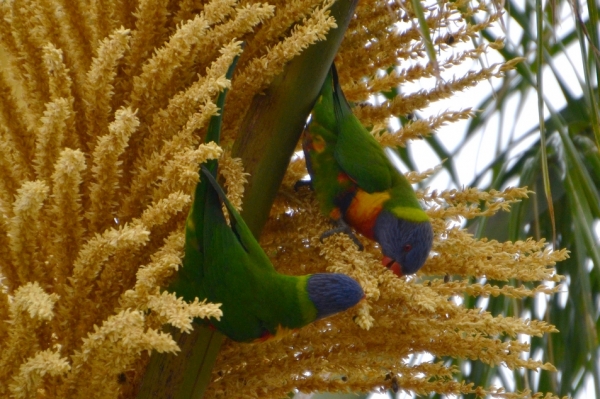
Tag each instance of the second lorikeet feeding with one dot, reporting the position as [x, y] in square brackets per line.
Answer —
[357, 185]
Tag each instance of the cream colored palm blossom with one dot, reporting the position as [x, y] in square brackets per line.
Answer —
[103, 109]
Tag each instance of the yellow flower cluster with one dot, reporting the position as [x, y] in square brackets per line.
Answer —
[103, 109]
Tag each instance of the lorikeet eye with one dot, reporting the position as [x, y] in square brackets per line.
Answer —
[407, 248]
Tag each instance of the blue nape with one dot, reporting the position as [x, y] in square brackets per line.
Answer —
[333, 292]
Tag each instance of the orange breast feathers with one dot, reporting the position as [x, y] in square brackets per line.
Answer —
[363, 211]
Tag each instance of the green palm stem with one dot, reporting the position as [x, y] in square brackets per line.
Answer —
[272, 127]
[266, 142]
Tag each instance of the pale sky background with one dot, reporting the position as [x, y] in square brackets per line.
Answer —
[481, 149]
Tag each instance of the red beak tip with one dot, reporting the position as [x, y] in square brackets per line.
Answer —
[392, 265]
[396, 269]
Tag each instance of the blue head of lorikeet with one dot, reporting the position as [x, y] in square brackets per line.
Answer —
[332, 293]
[405, 244]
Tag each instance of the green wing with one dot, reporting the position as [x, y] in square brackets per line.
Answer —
[228, 277]
[239, 229]
[357, 152]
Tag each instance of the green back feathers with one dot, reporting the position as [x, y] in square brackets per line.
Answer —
[255, 299]
[257, 302]
[356, 150]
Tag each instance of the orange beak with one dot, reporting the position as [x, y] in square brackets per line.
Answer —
[392, 265]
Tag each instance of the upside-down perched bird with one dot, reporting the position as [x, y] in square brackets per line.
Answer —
[357, 185]
[231, 268]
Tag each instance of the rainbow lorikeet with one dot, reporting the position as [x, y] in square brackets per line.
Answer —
[224, 264]
[228, 266]
[357, 185]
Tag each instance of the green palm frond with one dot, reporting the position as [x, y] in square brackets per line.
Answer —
[567, 149]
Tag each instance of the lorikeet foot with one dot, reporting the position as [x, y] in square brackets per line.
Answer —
[342, 227]
[303, 183]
